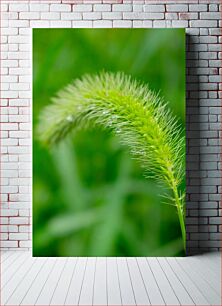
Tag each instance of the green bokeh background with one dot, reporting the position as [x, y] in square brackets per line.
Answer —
[90, 197]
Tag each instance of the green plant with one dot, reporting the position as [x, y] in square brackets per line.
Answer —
[139, 117]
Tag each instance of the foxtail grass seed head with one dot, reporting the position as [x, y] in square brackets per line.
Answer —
[142, 120]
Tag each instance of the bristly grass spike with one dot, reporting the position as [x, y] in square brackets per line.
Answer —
[147, 125]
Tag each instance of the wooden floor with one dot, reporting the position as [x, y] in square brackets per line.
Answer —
[27, 280]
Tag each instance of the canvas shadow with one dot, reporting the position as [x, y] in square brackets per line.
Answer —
[194, 196]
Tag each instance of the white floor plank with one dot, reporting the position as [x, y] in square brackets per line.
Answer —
[211, 262]
[153, 290]
[110, 281]
[113, 285]
[23, 285]
[13, 269]
[167, 291]
[206, 273]
[139, 288]
[86, 294]
[100, 283]
[48, 290]
[180, 291]
[9, 287]
[38, 284]
[208, 292]
[10, 261]
[190, 286]
[61, 290]
[4, 255]
[126, 289]
[73, 294]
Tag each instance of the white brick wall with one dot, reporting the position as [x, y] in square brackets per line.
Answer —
[201, 19]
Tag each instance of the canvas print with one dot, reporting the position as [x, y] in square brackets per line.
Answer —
[109, 142]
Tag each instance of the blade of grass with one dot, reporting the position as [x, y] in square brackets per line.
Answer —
[71, 186]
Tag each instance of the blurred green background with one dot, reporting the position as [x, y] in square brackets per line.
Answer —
[90, 197]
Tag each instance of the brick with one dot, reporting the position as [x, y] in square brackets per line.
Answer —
[4, 236]
[215, 78]
[171, 16]
[215, 236]
[177, 8]
[13, 47]
[9, 94]
[137, 8]
[147, 23]
[13, 157]
[102, 7]
[199, 236]
[121, 7]
[4, 7]
[102, 23]
[9, 244]
[214, 63]
[20, 71]
[9, 173]
[9, 142]
[112, 15]
[203, 23]
[133, 15]
[213, 7]
[187, 16]
[59, 24]
[71, 16]
[24, 213]
[160, 23]
[25, 244]
[39, 24]
[18, 236]
[19, 102]
[217, 31]
[52, 15]
[18, 118]
[93, 16]
[138, 23]
[208, 205]
[9, 212]
[5, 181]
[154, 8]
[18, 220]
[208, 39]
[180, 23]
[25, 31]
[9, 63]
[9, 78]
[24, 229]
[9, 31]
[29, 15]
[39, 7]
[122, 23]
[214, 47]
[9, 126]
[24, 157]
[210, 244]
[18, 23]
[60, 8]
[18, 149]
[198, 7]
[208, 213]
[19, 7]
[82, 24]
[82, 8]
[207, 16]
